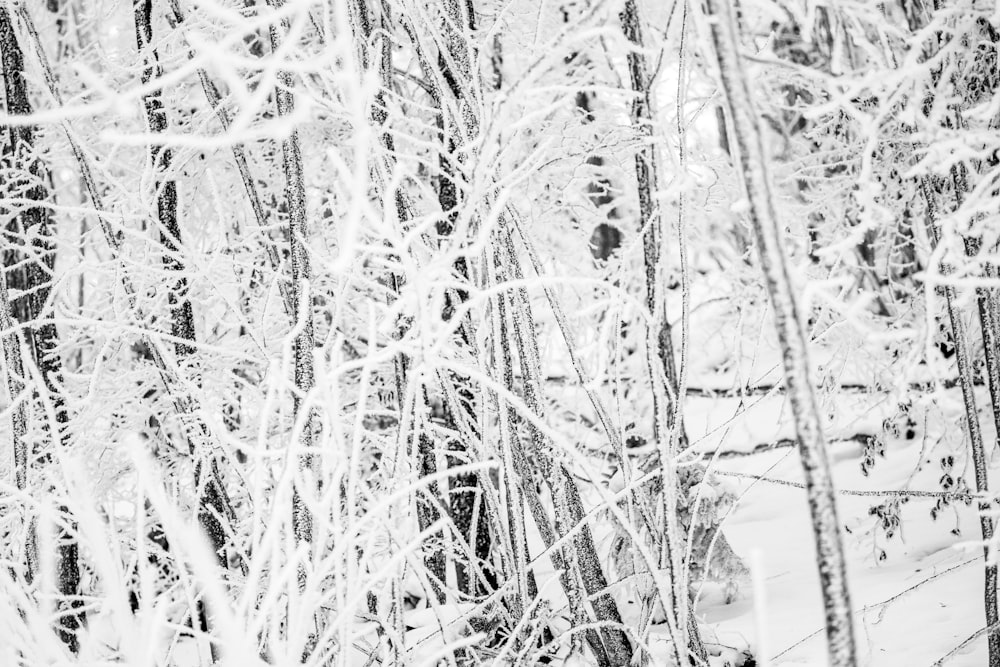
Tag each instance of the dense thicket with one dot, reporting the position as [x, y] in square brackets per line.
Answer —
[367, 332]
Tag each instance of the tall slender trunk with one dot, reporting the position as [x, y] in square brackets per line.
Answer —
[578, 562]
[981, 78]
[579, 565]
[304, 343]
[970, 79]
[427, 503]
[674, 438]
[966, 380]
[70, 42]
[18, 414]
[503, 367]
[502, 312]
[791, 336]
[455, 62]
[36, 260]
[217, 506]
[211, 509]
[160, 157]
[451, 82]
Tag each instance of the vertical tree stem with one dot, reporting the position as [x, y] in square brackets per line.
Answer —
[788, 322]
[304, 342]
[963, 359]
[211, 507]
[32, 279]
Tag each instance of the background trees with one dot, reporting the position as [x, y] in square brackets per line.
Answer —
[445, 324]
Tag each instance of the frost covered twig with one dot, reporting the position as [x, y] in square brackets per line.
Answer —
[239, 156]
[899, 493]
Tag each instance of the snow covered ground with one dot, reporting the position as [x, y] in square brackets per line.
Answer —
[913, 606]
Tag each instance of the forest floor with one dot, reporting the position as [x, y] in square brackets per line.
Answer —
[916, 581]
[918, 594]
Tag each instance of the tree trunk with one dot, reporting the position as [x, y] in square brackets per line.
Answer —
[217, 507]
[451, 84]
[788, 322]
[578, 562]
[673, 439]
[972, 78]
[211, 503]
[982, 78]
[304, 342]
[965, 373]
[455, 63]
[36, 259]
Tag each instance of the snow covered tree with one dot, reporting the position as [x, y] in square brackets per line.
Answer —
[477, 332]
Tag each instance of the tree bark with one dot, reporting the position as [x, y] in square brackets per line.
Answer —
[32, 230]
[465, 489]
[674, 437]
[304, 343]
[428, 501]
[218, 506]
[578, 562]
[788, 322]
[451, 85]
[970, 79]
[963, 359]
[211, 503]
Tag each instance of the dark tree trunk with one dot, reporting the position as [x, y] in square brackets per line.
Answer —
[166, 367]
[301, 298]
[580, 566]
[212, 501]
[647, 178]
[463, 490]
[466, 512]
[214, 98]
[28, 246]
[160, 156]
[976, 81]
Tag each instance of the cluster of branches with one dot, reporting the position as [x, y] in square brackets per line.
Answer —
[273, 318]
[286, 286]
[881, 121]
